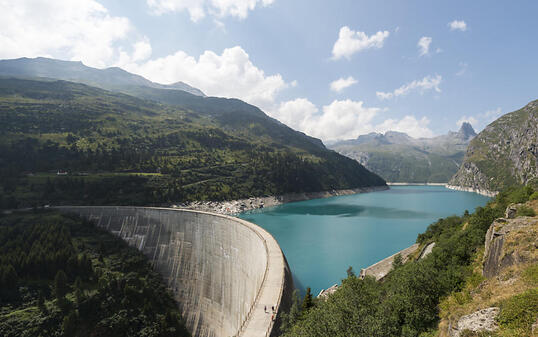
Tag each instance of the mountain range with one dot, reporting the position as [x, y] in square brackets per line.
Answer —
[397, 157]
[114, 78]
[139, 143]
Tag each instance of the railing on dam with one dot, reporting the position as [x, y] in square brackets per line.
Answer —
[223, 270]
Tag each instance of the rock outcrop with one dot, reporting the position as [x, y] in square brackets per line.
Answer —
[324, 293]
[502, 239]
[380, 269]
[479, 321]
[427, 250]
[505, 153]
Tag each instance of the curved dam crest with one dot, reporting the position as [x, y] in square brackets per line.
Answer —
[222, 270]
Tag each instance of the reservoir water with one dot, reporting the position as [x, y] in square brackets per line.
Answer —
[321, 238]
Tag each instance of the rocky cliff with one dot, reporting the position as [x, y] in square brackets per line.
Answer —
[503, 154]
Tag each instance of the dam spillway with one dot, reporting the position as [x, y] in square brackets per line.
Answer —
[222, 270]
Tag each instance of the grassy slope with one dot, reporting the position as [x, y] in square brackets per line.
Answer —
[514, 290]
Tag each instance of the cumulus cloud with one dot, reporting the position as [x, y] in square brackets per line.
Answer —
[350, 42]
[342, 83]
[481, 120]
[84, 30]
[73, 29]
[344, 119]
[414, 127]
[458, 25]
[427, 83]
[424, 45]
[198, 9]
[230, 74]
[339, 120]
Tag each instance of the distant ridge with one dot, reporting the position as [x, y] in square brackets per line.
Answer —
[114, 78]
[398, 157]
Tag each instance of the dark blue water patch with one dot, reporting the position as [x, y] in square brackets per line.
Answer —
[342, 210]
[404, 190]
[321, 238]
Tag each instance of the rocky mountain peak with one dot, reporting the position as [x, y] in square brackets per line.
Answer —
[466, 131]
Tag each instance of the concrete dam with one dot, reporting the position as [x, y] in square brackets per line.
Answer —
[222, 270]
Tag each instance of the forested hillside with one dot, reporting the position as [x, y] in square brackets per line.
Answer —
[62, 276]
[111, 148]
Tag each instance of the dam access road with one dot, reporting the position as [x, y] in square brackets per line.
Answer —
[223, 271]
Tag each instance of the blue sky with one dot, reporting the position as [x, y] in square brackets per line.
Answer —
[406, 67]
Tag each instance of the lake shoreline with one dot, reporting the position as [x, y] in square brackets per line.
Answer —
[487, 193]
[234, 207]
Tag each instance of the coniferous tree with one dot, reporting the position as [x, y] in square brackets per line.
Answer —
[60, 285]
[307, 301]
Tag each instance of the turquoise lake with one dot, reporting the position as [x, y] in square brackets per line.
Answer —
[321, 238]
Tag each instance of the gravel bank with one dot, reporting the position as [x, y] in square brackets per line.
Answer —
[232, 207]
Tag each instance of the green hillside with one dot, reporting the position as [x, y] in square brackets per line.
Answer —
[504, 153]
[119, 149]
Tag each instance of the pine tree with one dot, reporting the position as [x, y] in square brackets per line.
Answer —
[69, 325]
[60, 285]
[41, 304]
[307, 301]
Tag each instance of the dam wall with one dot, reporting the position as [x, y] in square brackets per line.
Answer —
[222, 270]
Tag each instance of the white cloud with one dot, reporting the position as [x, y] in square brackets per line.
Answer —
[339, 120]
[458, 25]
[69, 29]
[350, 42]
[416, 128]
[343, 119]
[469, 119]
[481, 120]
[198, 9]
[427, 83]
[297, 114]
[342, 83]
[463, 68]
[424, 45]
[230, 74]
[84, 30]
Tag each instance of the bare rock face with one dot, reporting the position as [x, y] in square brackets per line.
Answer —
[502, 238]
[427, 250]
[511, 211]
[478, 321]
[324, 293]
[503, 154]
